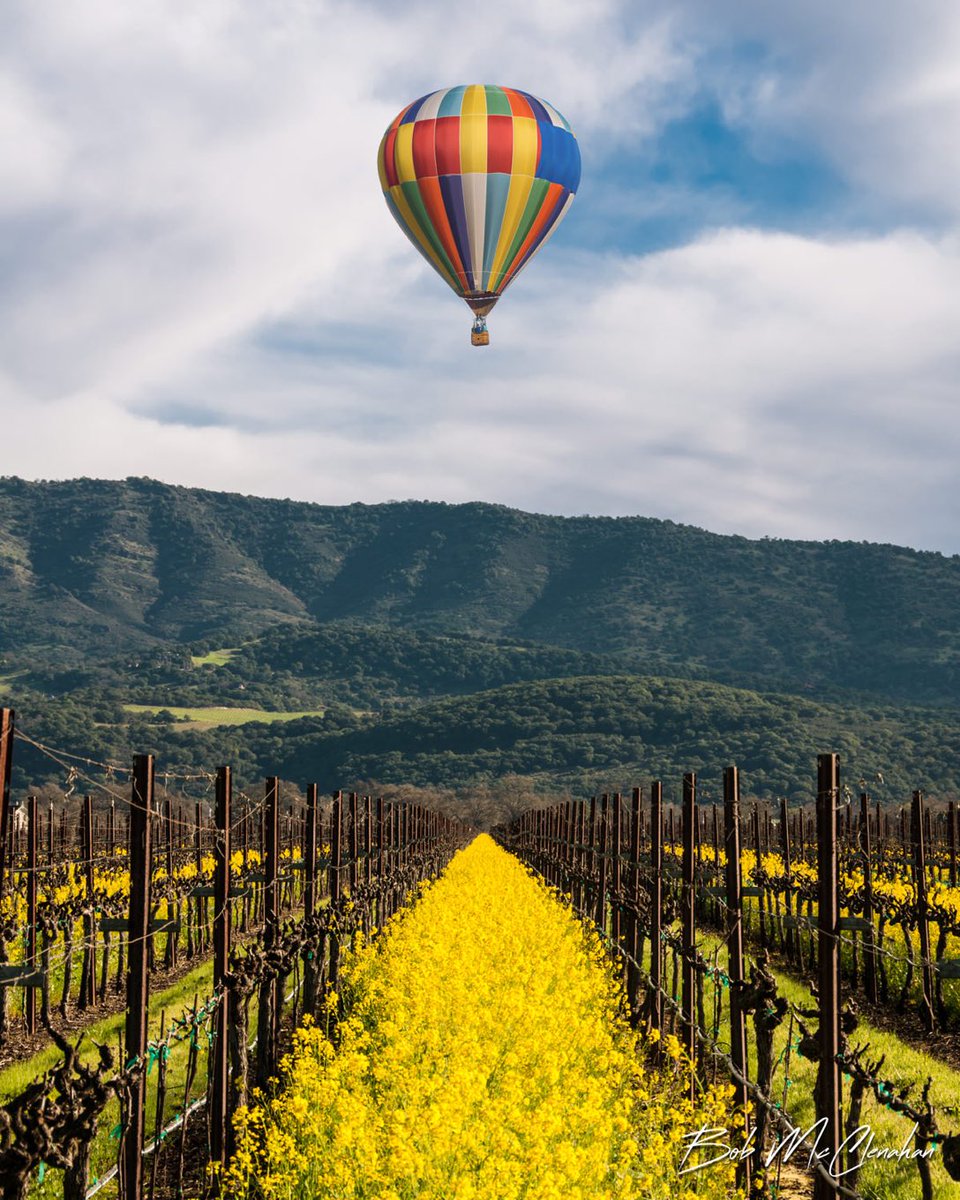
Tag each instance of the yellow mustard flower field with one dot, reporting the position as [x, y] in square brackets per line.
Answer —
[483, 1055]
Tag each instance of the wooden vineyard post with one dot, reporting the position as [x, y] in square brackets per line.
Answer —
[403, 836]
[222, 937]
[551, 832]
[616, 880]
[828, 1095]
[170, 951]
[585, 890]
[396, 841]
[381, 859]
[88, 972]
[569, 849]
[336, 850]
[579, 858]
[367, 841]
[927, 828]
[138, 981]
[245, 848]
[554, 833]
[7, 724]
[352, 845]
[734, 914]
[562, 827]
[869, 942]
[952, 838]
[656, 905]
[687, 903]
[715, 862]
[310, 853]
[785, 849]
[30, 993]
[270, 1000]
[310, 895]
[633, 923]
[923, 929]
[591, 852]
[758, 848]
[604, 819]
[200, 903]
[386, 890]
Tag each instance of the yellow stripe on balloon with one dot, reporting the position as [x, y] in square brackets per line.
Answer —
[412, 225]
[381, 165]
[517, 197]
[403, 154]
[474, 103]
[526, 141]
[473, 145]
[473, 130]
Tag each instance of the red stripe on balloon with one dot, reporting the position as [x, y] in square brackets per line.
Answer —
[424, 152]
[389, 161]
[500, 144]
[447, 141]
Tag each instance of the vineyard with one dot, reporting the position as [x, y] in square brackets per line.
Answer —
[267, 902]
[553, 1015]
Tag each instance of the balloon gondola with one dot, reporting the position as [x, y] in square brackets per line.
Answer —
[479, 177]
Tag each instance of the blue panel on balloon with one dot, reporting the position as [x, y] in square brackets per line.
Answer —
[559, 156]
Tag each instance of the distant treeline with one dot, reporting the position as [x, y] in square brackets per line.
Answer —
[578, 735]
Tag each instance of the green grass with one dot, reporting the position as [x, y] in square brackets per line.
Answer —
[882, 1180]
[169, 1005]
[172, 1001]
[6, 680]
[217, 715]
[215, 658]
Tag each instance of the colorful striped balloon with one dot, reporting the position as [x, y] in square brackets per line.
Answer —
[478, 177]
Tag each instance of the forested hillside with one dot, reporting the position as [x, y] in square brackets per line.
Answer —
[440, 644]
[93, 570]
[580, 735]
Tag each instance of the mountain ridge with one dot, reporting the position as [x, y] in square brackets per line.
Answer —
[93, 569]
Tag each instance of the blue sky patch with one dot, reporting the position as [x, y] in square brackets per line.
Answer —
[702, 173]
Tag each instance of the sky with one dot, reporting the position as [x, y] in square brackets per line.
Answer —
[748, 320]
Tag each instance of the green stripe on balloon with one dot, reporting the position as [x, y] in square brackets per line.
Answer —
[498, 103]
[531, 211]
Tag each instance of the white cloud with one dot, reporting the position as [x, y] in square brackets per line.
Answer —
[874, 88]
[215, 162]
[200, 280]
[751, 382]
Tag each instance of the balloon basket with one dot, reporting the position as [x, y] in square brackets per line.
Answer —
[479, 337]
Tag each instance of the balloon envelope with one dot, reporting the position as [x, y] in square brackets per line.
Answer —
[478, 177]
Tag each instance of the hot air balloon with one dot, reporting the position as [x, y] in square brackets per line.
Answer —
[478, 177]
